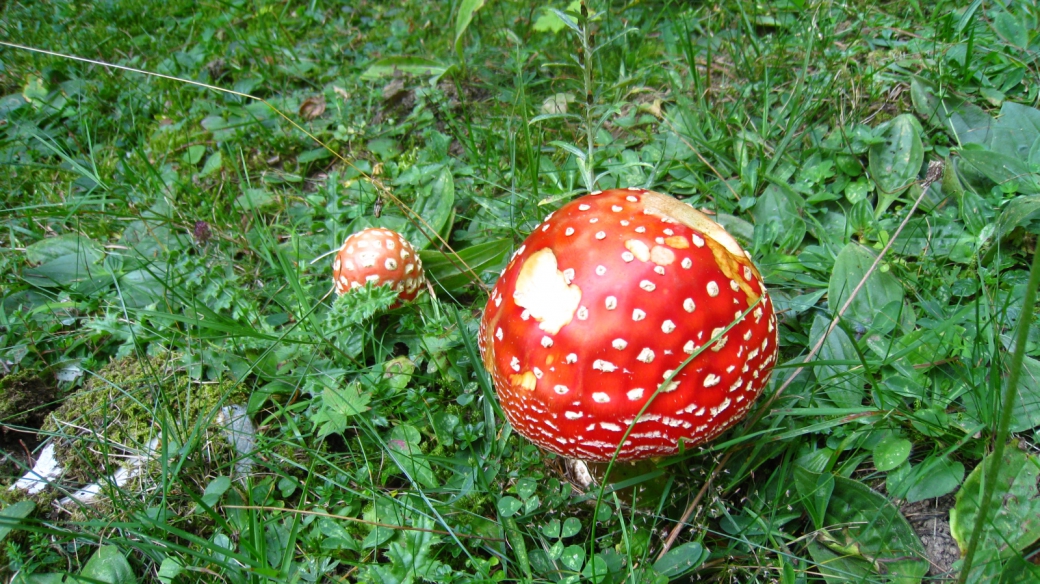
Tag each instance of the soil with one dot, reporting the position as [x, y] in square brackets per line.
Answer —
[931, 520]
[26, 398]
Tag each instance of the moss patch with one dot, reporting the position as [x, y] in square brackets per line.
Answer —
[128, 404]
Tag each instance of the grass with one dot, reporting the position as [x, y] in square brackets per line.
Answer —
[172, 174]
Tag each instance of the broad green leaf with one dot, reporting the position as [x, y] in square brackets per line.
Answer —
[841, 378]
[404, 442]
[934, 477]
[1015, 130]
[867, 537]
[255, 200]
[778, 222]
[215, 490]
[509, 506]
[1009, 173]
[213, 164]
[895, 162]
[965, 122]
[64, 259]
[170, 568]
[548, 21]
[1019, 212]
[388, 66]
[462, 19]
[573, 557]
[879, 289]
[435, 204]
[107, 565]
[571, 527]
[891, 452]
[12, 515]
[681, 559]
[1026, 413]
[1014, 514]
[453, 271]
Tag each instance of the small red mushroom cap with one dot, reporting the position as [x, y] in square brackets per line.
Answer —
[380, 256]
[602, 304]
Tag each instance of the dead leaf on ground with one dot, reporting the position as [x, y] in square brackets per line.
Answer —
[312, 107]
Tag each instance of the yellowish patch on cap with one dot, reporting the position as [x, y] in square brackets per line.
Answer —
[525, 380]
[542, 289]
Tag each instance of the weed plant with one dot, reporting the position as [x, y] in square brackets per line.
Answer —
[174, 174]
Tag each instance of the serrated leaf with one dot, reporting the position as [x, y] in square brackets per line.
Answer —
[410, 557]
[879, 289]
[1014, 514]
[895, 162]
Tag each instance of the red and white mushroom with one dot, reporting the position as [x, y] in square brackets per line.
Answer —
[602, 304]
[380, 256]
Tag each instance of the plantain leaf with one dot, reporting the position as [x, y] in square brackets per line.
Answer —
[462, 19]
[866, 538]
[880, 289]
[895, 162]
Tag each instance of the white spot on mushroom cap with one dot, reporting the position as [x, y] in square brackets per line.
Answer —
[610, 302]
[561, 389]
[667, 326]
[619, 344]
[543, 290]
[638, 315]
[600, 397]
[646, 355]
[686, 263]
[688, 305]
[627, 256]
[568, 231]
[601, 235]
[647, 285]
[547, 341]
[572, 415]
[601, 270]
[604, 366]
[697, 240]
[711, 380]
[584, 207]
[610, 426]
[583, 313]
[390, 264]
[713, 289]
[571, 358]
[635, 394]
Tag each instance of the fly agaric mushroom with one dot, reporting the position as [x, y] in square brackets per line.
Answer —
[601, 306]
[380, 256]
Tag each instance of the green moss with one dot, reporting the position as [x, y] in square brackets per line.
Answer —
[24, 397]
[126, 405]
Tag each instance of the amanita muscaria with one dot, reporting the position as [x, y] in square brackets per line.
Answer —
[380, 256]
[603, 303]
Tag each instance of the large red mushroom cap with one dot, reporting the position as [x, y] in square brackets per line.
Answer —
[602, 304]
[380, 256]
